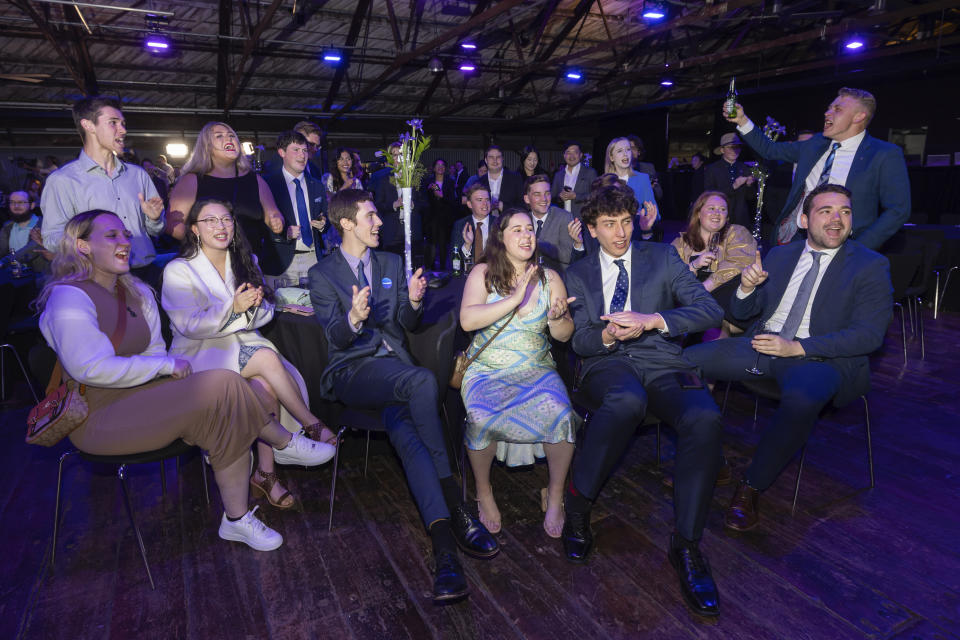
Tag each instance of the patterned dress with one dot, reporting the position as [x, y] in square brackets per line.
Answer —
[512, 392]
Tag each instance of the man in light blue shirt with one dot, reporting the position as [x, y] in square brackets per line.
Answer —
[98, 179]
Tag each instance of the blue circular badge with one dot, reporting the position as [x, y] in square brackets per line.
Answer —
[386, 283]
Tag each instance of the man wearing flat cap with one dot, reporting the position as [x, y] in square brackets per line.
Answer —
[734, 179]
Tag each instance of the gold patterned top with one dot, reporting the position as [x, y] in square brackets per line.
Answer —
[736, 252]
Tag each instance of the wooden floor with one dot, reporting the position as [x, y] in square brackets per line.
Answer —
[852, 563]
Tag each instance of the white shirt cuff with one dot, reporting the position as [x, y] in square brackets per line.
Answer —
[747, 128]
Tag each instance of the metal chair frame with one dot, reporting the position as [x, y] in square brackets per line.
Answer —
[23, 370]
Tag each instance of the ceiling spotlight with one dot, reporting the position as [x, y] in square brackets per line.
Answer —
[332, 56]
[468, 67]
[666, 82]
[573, 75]
[176, 150]
[653, 11]
[470, 46]
[854, 43]
[435, 65]
[157, 43]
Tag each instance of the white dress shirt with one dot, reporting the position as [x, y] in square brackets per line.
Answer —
[495, 185]
[292, 190]
[775, 322]
[609, 272]
[570, 180]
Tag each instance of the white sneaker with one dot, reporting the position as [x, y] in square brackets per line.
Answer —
[250, 530]
[304, 451]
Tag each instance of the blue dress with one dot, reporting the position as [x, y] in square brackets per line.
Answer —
[512, 392]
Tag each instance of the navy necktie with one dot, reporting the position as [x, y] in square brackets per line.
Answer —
[306, 231]
[828, 165]
[361, 276]
[539, 228]
[621, 289]
[792, 323]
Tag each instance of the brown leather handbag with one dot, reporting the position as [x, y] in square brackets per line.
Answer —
[461, 361]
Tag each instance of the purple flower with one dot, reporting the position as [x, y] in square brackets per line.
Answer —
[416, 123]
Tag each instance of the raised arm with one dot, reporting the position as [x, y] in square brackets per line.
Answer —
[182, 197]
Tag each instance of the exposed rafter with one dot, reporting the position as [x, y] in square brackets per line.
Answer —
[355, 24]
[236, 87]
[83, 77]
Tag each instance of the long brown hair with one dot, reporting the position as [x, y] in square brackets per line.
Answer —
[500, 273]
[691, 235]
[241, 256]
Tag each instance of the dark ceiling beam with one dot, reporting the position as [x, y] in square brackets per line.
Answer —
[236, 87]
[223, 52]
[352, 35]
[437, 79]
[492, 90]
[394, 25]
[541, 22]
[416, 12]
[374, 86]
[54, 39]
[84, 62]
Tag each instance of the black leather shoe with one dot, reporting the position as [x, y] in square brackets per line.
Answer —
[577, 537]
[448, 581]
[696, 582]
[471, 536]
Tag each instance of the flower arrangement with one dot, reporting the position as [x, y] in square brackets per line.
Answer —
[407, 169]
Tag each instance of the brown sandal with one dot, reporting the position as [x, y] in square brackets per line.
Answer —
[269, 480]
[315, 432]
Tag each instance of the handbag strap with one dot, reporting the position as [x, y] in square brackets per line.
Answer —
[56, 377]
[485, 344]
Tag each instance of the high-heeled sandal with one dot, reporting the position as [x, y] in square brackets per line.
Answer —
[270, 478]
[315, 432]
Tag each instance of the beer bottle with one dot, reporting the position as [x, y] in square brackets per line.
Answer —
[730, 105]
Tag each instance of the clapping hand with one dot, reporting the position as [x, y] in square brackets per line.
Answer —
[417, 287]
[627, 325]
[274, 220]
[152, 208]
[360, 306]
[181, 368]
[559, 308]
[520, 291]
[245, 297]
[753, 276]
[575, 229]
[467, 237]
[647, 216]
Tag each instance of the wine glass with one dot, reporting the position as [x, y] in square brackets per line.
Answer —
[714, 243]
[765, 329]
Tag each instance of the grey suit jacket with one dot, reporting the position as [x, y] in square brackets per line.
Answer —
[554, 241]
[582, 189]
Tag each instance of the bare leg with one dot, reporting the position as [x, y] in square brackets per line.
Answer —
[559, 455]
[234, 490]
[264, 451]
[266, 364]
[480, 462]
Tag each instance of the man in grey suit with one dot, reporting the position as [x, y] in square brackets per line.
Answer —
[559, 234]
[571, 184]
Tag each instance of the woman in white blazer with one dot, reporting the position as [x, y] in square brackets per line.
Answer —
[216, 299]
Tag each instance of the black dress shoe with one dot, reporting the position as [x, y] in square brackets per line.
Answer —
[696, 582]
[471, 536]
[448, 581]
[577, 537]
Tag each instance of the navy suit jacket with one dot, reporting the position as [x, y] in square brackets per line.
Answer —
[276, 262]
[850, 312]
[511, 188]
[456, 236]
[878, 181]
[658, 281]
[331, 292]
[582, 189]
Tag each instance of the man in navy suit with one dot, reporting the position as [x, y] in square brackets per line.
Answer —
[626, 330]
[873, 170]
[826, 304]
[571, 184]
[505, 186]
[302, 200]
[361, 298]
[464, 234]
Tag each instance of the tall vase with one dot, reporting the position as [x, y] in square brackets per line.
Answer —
[406, 195]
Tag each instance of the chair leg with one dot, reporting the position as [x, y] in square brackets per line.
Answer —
[942, 292]
[23, 370]
[903, 330]
[756, 410]
[133, 523]
[658, 444]
[936, 294]
[463, 465]
[923, 346]
[333, 480]
[449, 437]
[726, 393]
[866, 420]
[366, 456]
[796, 487]
[56, 506]
[203, 473]
[910, 311]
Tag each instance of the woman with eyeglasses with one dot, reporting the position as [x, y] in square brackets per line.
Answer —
[104, 325]
[216, 298]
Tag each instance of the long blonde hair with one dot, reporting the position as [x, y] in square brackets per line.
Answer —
[608, 166]
[201, 159]
[69, 265]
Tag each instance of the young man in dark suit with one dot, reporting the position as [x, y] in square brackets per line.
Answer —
[559, 233]
[302, 200]
[465, 230]
[822, 307]
[363, 301]
[571, 183]
[505, 186]
[627, 323]
[844, 153]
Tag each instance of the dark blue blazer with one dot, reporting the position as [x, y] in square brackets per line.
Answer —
[331, 292]
[659, 280]
[878, 181]
[850, 312]
[277, 261]
[456, 236]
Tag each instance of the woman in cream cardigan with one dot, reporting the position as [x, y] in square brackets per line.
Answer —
[216, 299]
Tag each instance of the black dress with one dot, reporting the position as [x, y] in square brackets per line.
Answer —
[243, 192]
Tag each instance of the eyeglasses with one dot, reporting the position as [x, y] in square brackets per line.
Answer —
[226, 221]
[19, 201]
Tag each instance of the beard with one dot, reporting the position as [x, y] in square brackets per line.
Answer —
[23, 217]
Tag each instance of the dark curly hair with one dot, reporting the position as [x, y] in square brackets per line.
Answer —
[612, 199]
[241, 255]
[499, 275]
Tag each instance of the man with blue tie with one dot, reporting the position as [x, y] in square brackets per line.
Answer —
[364, 303]
[302, 200]
[627, 322]
[845, 154]
[822, 306]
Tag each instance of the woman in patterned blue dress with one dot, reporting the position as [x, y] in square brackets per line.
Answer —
[517, 406]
